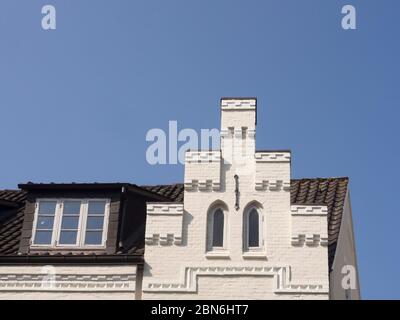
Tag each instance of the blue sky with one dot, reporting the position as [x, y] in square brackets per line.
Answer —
[76, 103]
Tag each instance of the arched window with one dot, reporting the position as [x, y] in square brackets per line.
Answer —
[253, 228]
[218, 229]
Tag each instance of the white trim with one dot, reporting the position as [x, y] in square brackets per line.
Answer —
[218, 254]
[29, 282]
[254, 255]
[188, 281]
[81, 231]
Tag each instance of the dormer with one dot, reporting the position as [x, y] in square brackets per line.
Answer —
[98, 218]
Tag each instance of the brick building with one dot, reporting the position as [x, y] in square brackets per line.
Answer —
[239, 227]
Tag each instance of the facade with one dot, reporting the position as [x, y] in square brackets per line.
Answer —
[239, 233]
[239, 227]
[73, 241]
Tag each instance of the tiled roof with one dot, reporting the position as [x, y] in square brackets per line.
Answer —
[172, 191]
[10, 230]
[323, 191]
[13, 195]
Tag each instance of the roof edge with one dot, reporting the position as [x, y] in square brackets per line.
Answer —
[71, 259]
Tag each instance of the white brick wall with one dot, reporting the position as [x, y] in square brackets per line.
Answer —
[309, 225]
[203, 170]
[165, 223]
[282, 270]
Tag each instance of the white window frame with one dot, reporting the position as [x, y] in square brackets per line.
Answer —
[246, 230]
[210, 230]
[81, 232]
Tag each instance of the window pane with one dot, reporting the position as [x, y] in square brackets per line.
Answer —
[96, 207]
[70, 223]
[218, 229]
[68, 237]
[94, 223]
[47, 207]
[94, 237]
[43, 237]
[253, 229]
[45, 223]
[72, 207]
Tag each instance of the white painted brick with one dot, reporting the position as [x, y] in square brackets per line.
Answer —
[307, 264]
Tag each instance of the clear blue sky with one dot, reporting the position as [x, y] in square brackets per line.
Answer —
[76, 102]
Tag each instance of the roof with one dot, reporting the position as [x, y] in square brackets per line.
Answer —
[322, 191]
[10, 229]
[13, 195]
[172, 191]
[94, 186]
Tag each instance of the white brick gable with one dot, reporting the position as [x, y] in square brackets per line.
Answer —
[291, 261]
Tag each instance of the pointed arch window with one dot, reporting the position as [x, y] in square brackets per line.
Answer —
[217, 228]
[253, 229]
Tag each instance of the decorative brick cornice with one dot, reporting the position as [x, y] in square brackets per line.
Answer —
[203, 156]
[309, 240]
[158, 208]
[202, 185]
[68, 282]
[189, 279]
[235, 104]
[302, 210]
[272, 157]
[272, 184]
[164, 239]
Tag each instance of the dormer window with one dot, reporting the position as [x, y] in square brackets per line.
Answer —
[70, 223]
[71, 212]
[45, 222]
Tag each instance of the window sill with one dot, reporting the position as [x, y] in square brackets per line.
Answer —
[39, 247]
[218, 255]
[254, 255]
